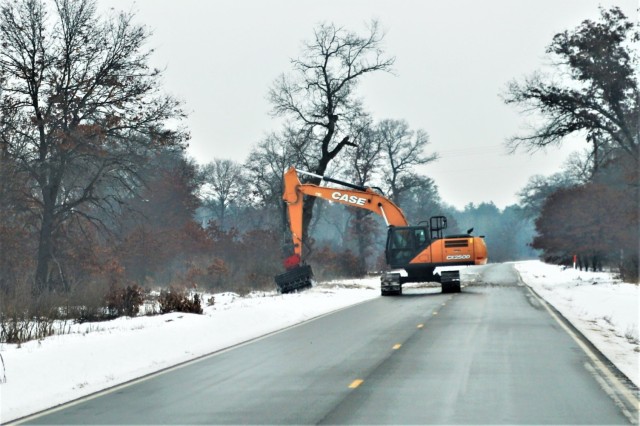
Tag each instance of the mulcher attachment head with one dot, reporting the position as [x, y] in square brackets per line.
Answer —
[295, 279]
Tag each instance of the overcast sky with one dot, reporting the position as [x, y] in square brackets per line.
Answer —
[453, 59]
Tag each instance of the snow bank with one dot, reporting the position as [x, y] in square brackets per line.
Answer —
[95, 356]
[603, 308]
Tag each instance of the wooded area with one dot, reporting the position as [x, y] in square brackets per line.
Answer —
[100, 201]
[593, 211]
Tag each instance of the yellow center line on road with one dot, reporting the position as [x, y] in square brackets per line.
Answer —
[397, 346]
[355, 383]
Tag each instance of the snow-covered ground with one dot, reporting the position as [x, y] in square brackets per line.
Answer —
[95, 356]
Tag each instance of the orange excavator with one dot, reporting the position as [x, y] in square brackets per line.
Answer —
[419, 250]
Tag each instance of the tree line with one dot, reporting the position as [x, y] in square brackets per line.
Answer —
[98, 193]
[590, 210]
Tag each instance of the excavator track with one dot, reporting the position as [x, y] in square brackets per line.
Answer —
[296, 279]
[450, 281]
[390, 284]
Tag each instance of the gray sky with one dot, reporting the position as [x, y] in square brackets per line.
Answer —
[453, 58]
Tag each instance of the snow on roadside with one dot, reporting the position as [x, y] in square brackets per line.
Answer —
[95, 356]
[603, 308]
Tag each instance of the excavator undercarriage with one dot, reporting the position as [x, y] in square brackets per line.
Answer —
[391, 282]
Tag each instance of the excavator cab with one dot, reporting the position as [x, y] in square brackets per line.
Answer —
[404, 243]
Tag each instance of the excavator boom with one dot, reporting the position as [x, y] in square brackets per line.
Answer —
[365, 198]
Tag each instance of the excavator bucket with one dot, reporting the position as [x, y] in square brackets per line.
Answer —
[295, 279]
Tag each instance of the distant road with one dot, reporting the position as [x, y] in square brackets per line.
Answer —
[491, 354]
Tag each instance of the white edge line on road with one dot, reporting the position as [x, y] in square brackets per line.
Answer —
[603, 369]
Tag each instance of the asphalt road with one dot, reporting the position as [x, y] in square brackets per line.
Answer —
[489, 355]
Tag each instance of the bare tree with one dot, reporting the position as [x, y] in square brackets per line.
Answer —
[270, 158]
[403, 150]
[534, 194]
[365, 158]
[265, 167]
[223, 184]
[362, 169]
[597, 91]
[321, 90]
[81, 110]
[422, 200]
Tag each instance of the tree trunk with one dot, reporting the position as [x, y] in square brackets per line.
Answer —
[45, 245]
[221, 214]
[327, 156]
[45, 242]
[307, 216]
[362, 238]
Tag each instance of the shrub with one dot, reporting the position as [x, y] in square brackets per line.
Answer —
[178, 300]
[22, 326]
[23, 318]
[329, 264]
[124, 300]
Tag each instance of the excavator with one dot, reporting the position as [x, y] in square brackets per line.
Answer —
[418, 250]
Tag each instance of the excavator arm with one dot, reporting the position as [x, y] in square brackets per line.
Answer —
[299, 275]
[361, 197]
